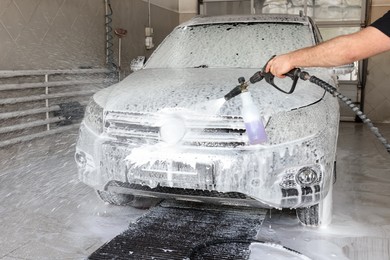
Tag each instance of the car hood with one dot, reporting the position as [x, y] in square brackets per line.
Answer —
[153, 90]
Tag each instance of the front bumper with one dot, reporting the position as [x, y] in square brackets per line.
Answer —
[264, 173]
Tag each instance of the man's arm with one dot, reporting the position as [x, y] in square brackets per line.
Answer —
[335, 52]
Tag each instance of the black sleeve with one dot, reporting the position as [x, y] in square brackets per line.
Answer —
[383, 24]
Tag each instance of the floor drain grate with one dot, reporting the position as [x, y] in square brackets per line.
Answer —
[175, 230]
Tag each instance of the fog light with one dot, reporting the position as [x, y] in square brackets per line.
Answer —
[306, 176]
[81, 159]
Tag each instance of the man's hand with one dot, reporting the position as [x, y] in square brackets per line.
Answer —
[279, 65]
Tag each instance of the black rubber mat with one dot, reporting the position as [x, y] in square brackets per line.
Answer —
[187, 230]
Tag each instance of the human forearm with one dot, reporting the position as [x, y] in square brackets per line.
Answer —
[337, 51]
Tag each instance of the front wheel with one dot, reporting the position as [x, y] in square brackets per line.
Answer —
[319, 214]
[114, 198]
[120, 199]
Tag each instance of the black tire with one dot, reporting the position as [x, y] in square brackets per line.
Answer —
[115, 198]
[319, 214]
[309, 216]
[119, 199]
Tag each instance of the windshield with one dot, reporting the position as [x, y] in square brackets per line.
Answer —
[229, 45]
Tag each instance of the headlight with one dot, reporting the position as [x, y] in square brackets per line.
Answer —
[94, 117]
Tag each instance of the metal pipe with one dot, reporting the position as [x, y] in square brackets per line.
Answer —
[14, 114]
[120, 33]
[119, 53]
[48, 121]
[18, 73]
[35, 111]
[107, 31]
[38, 135]
[48, 84]
[12, 128]
[6, 101]
[149, 15]
[47, 101]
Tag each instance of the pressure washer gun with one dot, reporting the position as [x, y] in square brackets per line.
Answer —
[296, 74]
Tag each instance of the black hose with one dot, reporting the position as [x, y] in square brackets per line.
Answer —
[353, 107]
[109, 38]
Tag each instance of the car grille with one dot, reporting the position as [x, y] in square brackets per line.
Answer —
[143, 128]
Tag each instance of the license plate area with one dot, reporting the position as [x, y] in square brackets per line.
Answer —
[112, 164]
[174, 174]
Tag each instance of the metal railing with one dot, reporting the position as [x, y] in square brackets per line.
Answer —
[37, 103]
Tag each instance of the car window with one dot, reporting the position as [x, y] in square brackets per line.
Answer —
[243, 45]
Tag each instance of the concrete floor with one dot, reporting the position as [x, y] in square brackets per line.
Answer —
[46, 213]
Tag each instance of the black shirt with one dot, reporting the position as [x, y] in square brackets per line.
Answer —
[383, 24]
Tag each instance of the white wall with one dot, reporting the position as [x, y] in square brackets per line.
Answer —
[381, 3]
[172, 5]
[179, 6]
[185, 8]
[188, 6]
[50, 34]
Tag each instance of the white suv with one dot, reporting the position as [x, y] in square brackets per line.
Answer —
[166, 132]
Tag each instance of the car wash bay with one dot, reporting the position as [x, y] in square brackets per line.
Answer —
[46, 213]
[53, 62]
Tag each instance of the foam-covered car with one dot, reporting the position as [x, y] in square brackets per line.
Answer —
[165, 131]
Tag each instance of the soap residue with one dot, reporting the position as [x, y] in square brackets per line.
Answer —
[260, 251]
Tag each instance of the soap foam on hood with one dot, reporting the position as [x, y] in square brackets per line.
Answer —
[182, 88]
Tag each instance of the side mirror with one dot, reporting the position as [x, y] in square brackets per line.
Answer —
[137, 63]
[344, 69]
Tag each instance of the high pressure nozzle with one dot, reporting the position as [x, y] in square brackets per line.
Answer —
[234, 92]
[238, 89]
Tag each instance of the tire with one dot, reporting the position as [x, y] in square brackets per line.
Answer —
[319, 214]
[115, 198]
[119, 199]
[309, 216]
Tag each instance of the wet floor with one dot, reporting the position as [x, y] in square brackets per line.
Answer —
[46, 213]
